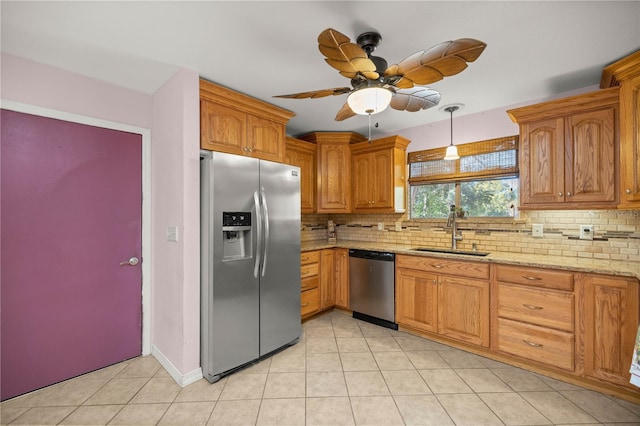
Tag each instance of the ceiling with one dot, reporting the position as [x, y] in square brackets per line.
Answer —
[535, 50]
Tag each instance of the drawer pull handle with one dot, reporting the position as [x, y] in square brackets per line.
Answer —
[305, 258]
[530, 278]
[535, 308]
[438, 266]
[535, 345]
[304, 286]
[304, 305]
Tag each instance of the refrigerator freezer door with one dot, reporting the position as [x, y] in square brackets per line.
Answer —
[230, 299]
[280, 283]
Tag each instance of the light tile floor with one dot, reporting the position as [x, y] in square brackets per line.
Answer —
[342, 372]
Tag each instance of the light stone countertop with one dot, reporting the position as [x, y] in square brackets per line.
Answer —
[575, 264]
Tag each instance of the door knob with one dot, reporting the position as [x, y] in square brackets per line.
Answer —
[131, 262]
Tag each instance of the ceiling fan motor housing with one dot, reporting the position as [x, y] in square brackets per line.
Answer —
[368, 42]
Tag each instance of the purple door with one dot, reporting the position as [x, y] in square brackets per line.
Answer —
[71, 212]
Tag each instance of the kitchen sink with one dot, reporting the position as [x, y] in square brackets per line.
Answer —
[452, 251]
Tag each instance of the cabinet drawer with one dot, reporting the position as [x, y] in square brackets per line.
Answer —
[309, 283]
[441, 265]
[537, 277]
[547, 308]
[544, 345]
[309, 257]
[309, 270]
[309, 301]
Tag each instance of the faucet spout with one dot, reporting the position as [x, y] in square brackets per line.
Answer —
[453, 224]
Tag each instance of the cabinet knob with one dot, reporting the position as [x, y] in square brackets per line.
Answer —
[559, 194]
[568, 194]
[628, 191]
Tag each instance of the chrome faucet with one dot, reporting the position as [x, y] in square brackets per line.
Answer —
[452, 223]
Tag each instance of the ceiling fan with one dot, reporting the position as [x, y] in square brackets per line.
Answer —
[376, 85]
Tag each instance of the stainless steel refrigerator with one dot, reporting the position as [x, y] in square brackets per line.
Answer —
[250, 260]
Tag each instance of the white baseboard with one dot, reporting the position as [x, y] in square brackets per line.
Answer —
[182, 379]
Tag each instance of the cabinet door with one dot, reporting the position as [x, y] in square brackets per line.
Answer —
[463, 309]
[542, 162]
[630, 142]
[610, 322]
[383, 184]
[327, 280]
[416, 301]
[342, 277]
[363, 181]
[334, 178]
[265, 139]
[221, 128]
[306, 160]
[590, 167]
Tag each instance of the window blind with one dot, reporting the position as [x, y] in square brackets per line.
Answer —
[478, 160]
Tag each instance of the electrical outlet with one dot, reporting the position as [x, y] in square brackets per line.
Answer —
[380, 226]
[537, 231]
[586, 232]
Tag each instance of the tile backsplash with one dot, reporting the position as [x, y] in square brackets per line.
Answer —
[616, 232]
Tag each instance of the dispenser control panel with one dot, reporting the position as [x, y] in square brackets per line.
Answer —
[236, 218]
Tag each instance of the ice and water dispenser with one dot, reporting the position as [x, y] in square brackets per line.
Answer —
[236, 235]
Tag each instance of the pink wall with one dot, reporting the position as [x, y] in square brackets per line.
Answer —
[172, 114]
[489, 124]
[175, 202]
[45, 86]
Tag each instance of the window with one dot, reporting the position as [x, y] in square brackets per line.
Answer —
[484, 181]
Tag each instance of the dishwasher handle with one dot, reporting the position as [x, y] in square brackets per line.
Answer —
[374, 255]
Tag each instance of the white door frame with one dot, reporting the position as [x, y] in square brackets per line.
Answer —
[146, 194]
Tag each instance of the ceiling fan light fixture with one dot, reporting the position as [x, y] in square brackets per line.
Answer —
[369, 100]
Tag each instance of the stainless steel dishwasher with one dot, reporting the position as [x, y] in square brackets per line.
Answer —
[372, 286]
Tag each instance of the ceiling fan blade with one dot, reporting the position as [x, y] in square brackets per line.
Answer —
[442, 60]
[345, 112]
[345, 56]
[317, 93]
[415, 99]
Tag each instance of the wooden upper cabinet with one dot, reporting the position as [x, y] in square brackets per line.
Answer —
[568, 152]
[379, 175]
[333, 169]
[626, 74]
[542, 162]
[222, 128]
[235, 123]
[590, 151]
[303, 154]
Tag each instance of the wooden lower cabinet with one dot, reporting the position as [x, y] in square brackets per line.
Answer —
[341, 269]
[450, 305]
[608, 325]
[327, 279]
[309, 283]
[535, 315]
[324, 280]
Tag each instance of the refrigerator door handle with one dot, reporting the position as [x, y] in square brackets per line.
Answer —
[265, 242]
[256, 263]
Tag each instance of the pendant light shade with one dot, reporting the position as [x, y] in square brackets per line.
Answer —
[369, 100]
[452, 150]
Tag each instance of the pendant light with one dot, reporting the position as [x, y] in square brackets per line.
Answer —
[452, 150]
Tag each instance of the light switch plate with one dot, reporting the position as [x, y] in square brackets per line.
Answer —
[537, 230]
[172, 233]
[586, 232]
[380, 226]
